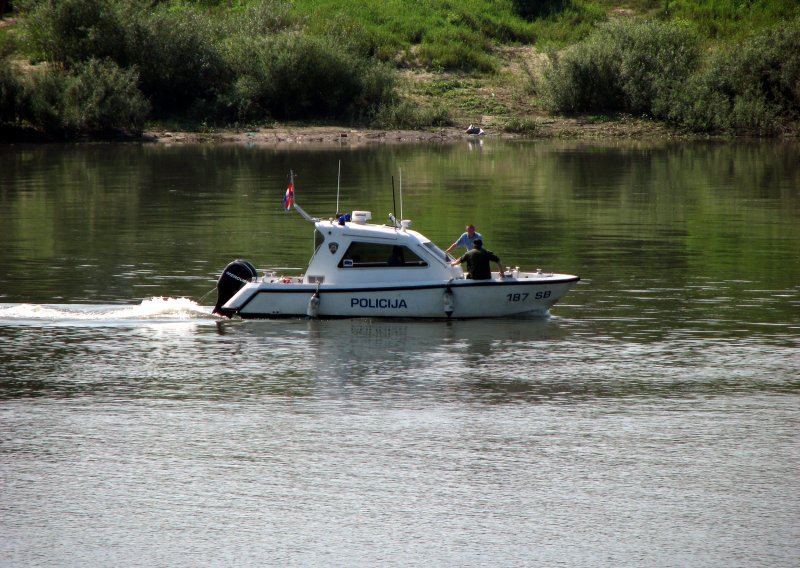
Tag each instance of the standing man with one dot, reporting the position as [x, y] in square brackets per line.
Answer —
[478, 259]
[466, 240]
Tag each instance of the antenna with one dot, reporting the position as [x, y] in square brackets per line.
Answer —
[394, 205]
[338, 180]
[401, 194]
[392, 215]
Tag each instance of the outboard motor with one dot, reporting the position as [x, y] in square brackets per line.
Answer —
[233, 278]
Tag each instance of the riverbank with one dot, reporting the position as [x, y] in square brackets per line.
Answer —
[311, 135]
[305, 135]
[503, 104]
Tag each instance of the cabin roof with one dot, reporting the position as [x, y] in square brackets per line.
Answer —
[368, 230]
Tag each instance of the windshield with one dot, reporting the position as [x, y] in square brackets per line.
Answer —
[437, 252]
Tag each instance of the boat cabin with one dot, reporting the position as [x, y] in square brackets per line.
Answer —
[354, 251]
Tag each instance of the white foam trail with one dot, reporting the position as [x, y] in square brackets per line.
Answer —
[151, 309]
[154, 308]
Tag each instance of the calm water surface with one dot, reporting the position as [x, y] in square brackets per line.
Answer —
[651, 421]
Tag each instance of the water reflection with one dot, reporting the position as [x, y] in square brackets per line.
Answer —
[530, 360]
[114, 223]
[665, 375]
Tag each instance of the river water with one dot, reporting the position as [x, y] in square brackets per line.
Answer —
[652, 420]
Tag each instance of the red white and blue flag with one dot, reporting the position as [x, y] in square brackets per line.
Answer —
[288, 199]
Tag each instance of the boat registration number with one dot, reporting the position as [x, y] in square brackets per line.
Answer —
[521, 297]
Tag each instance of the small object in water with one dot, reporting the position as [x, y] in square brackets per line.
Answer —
[475, 130]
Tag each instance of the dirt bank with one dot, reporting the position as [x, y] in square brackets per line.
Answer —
[303, 135]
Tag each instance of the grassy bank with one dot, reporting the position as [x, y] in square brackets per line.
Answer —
[100, 67]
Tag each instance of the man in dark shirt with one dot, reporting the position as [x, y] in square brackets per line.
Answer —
[478, 259]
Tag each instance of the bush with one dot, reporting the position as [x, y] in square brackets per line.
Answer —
[623, 66]
[581, 79]
[180, 64]
[295, 76]
[751, 87]
[174, 50]
[42, 103]
[101, 97]
[656, 59]
[96, 97]
[71, 31]
[10, 92]
[655, 68]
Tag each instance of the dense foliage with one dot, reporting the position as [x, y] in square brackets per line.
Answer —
[754, 87]
[255, 64]
[656, 69]
[109, 65]
[626, 66]
[10, 89]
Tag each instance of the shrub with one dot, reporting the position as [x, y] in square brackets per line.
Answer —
[10, 92]
[751, 87]
[627, 66]
[71, 31]
[42, 103]
[174, 48]
[295, 76]
[583, 78]
[309, 78]
[93, 97]
[101, 97]
[656, 58]
[179, 62]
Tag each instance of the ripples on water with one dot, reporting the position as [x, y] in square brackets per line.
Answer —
[651, 421]
[634, 349]
[159, 435]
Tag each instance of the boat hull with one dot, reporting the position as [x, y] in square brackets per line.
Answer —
[529, 295]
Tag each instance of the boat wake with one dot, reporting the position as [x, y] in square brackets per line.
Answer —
[150, 310]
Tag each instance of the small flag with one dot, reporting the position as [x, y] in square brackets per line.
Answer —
[288, 199]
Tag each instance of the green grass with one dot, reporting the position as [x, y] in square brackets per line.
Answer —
[435, 34]
[448, 35]
[727, 20]
[255, 61]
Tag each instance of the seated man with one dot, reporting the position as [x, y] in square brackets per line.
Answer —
[477, 259]
[397, 258]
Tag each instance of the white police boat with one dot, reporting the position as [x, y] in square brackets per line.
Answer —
[361, 269]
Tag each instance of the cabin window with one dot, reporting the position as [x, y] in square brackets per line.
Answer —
[379, 255]
[437, 252]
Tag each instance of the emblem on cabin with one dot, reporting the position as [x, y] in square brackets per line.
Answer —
[333, 247]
